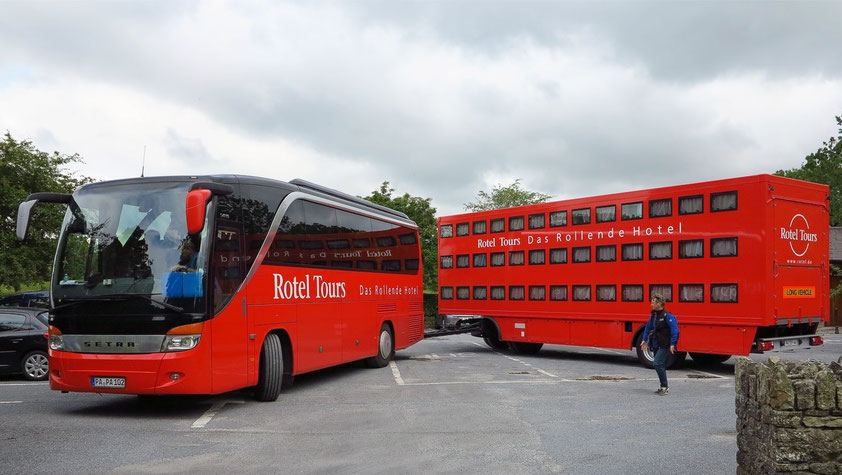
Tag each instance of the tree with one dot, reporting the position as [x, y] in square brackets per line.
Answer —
[24, 170]
[824, 166]
[506, 197]
[419, 210]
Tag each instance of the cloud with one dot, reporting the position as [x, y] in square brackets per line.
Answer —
[576, 99]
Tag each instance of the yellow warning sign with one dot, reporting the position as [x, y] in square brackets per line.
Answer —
[799, 292]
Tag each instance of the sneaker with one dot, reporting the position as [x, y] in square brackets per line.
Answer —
[662, 391]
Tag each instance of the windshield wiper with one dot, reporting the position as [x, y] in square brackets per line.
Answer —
[117, 297]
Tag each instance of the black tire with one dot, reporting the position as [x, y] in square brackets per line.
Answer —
[647, 357]
[525, 348]
[385, 347]
[491, 337]
[707, 359]
[35, 366]
[271, 375]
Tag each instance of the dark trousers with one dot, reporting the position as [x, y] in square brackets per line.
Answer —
[660, 364]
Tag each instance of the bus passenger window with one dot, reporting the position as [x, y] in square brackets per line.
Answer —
[725, 201]
[723, 293]
[606, 214]
[664, 289]
[558, 292]
[631, 211]
[633, 293]
[691, 204]
[660, 208]
[558, 219]
[498, 225]
[723, 247]
[691, 293]
[606, 293]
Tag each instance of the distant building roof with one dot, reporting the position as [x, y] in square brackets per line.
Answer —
[836, 243]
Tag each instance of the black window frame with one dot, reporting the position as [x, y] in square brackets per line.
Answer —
[560, 213]
[672, 251]
[596, 214]
[623, 216]
[720, 193]
[736, 247]
[662, 200]
[543, 217]
[573, 217]
[683, 241]
[680, 213]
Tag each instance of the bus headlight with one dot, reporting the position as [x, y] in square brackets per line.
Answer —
[56, 339]
[185, 337]
[180, 342]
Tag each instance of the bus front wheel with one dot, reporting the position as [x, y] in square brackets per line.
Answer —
[271, 375]
[385, 348]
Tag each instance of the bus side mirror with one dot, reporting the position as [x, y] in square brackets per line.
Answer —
[25, 209]
[197, 201]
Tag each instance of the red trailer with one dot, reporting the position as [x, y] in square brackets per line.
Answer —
[742, 262]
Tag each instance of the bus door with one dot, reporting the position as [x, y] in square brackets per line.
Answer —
[800, 261]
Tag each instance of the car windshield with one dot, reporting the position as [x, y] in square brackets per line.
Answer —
[120, 241]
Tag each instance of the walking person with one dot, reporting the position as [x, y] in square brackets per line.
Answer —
[660, 335]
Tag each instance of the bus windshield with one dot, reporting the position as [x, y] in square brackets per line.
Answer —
[128, 244]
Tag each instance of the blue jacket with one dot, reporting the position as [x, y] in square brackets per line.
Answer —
[650, 326]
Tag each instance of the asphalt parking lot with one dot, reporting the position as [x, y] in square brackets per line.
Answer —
[445, 405]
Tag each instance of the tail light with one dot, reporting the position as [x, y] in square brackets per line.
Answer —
[765, 346]
[55, 338]
[816, 340]
[185, 337]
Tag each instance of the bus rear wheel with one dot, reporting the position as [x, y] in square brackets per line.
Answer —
[707, 359]
[491, 337]
[385, 348]
[525, 348]
[271, 375]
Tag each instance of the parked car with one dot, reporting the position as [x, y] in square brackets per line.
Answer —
[35, 298]
[23, 342]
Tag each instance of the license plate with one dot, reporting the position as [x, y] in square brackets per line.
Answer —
[790, 343]
[119, 383]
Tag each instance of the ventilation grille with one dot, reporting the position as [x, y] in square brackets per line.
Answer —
[416, 307]
[387, 307]
[416, 328]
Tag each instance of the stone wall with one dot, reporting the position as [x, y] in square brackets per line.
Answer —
[789, 417]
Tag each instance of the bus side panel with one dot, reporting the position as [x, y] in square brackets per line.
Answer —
[229, 341]
[361, 326]
[719, 339]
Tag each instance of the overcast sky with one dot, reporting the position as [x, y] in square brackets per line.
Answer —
[442, 99]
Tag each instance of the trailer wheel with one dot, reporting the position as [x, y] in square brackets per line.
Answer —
[707, 359]
[385, 348]
[647, 356]
[525, 348]
[491, 337]
[271, 375]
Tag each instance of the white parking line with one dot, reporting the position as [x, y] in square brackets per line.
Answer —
[25, 384]
[11, 402]
[207, 416]
[545, 373]
[607, 350]
[709, 374]
[396, 373]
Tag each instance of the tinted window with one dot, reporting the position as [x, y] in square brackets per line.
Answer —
[581, 216]
[558, 218]
[606, 214]
[660, 208]
[516, 223]
[691, 204]
[723, 201]
[11, 321]
[498, 225]
[632, 211]
[536, 221]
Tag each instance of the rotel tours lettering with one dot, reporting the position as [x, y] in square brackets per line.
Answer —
[798, 235]
[306, 288]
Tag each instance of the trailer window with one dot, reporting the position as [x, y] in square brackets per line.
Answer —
[479, 227]
[581, 216]
[462, 229]
[606, 293]
[665, 290]
[691, 249]
[515, 258]
[463, 293]
[446, 293]
[581, 254]
[463, 261]
[558, 219]
[606, 214]
[691, 293]
[446, 231]
[480, 293]
[498, 293]
[633, 252]
[723, 293]
[536, 221]
[632, 211]
[632, 293]
[582, 293]
[660, 250]
[537, 257]
[558, 292]
[447, 262]
[498, 259]
[516, 223]
[498, 225]
[479, 260]
[691, 204]
[516, 292]
[660, 208]
[723, 247]
[725, 201]
[558, 255]
[537, 292]
[606, 253]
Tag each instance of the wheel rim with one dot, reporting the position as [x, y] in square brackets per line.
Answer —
[385, 344]
[36, 366]
[647, 353]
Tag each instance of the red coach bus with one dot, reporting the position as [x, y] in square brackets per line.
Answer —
[743, 264]
[202, 285]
